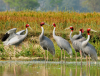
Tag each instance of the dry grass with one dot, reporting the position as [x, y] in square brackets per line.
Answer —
[18, 20]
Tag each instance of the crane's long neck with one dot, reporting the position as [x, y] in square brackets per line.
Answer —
[54, 32]
[26, 32]
[71, 35]
[84, 43]
[42, 33]
[80, 33]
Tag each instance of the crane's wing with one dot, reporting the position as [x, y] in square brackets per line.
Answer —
[11, 31]
[47, 44]
[16, 34]
[76, 45]
[82, 39]
[62, 43]
[21, 32]
[8, 34]
[16, 40]
[90, 50]
[5, 37]
[75, 37]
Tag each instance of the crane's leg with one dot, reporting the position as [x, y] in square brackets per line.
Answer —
[87, 60]
[44, 56]
[10, 55]
[53, 58]
[61, 56]
[15, 52]
[81, 57]
[64, 56]
[76, 58]
[47, 55]
[10, 51]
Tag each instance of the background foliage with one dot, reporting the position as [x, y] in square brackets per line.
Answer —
[51, 5]
[22, 4]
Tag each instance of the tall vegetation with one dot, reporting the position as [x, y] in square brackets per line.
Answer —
[2, 6]
[22, 4]
[92, 5]
[51, 5]
[65, 19]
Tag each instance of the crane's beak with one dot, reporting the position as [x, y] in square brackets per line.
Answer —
[30, 27]
[93, 30]
[67, 28]
[47, 24]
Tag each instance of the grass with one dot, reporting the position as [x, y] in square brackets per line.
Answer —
[18, 20]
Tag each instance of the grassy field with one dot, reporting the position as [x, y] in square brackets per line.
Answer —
[30, 46]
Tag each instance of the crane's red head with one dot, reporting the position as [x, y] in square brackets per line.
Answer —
[88, 30]
[27, 25]
[42, 23]
[81, 30]
[54, 24]
[71, 28]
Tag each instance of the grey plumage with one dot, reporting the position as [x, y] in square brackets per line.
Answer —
[46, 43]
[79, 37]
[11, 33]
[83, 45]
[62, 43]
[11, 38]
[22, 32]
[76, 40]
[14, 38]
[89, 49]
[76, 37]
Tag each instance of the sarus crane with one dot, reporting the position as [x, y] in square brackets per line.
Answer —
[13, 38]
[46, 43]
[62, 43]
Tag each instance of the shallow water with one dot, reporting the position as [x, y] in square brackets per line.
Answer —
[39, 68]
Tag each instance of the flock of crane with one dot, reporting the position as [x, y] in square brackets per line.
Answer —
[79, 43]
